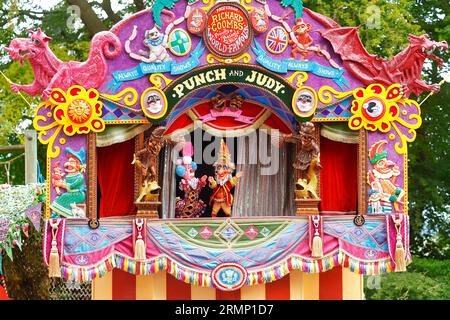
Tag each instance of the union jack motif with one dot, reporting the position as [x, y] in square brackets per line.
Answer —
[277, 40]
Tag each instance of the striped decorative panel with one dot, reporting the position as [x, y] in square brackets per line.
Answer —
[336, 284]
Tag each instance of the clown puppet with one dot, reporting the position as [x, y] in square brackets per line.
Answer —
[190, 206]
[224, 183]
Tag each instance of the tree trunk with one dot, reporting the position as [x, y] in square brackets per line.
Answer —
[90, 19]
[106, 5]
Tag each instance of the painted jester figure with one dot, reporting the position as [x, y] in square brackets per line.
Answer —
[66, 204]
[384, 193]
[190, 206]
[224, 183]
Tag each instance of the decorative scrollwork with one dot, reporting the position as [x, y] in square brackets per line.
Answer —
[210, 2]
[128, 97]
[328, 95]
[300, 77]
[244, 4]
[210, 58]
[156, 78]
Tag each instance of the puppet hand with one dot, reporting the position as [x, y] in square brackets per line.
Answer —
[211, 179]
[239, 174]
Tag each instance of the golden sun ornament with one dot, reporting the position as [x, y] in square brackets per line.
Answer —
[386, 110]
[77, 111]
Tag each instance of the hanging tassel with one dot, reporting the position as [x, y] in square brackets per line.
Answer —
[317, 244]
[139, 246]
[54, 267]
[400, 258]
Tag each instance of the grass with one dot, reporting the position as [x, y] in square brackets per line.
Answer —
[425, 279]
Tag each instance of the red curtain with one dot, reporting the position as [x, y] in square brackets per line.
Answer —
[338, 184]
[116, 179]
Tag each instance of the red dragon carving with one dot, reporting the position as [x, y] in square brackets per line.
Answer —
[405, 68]
[50, 72]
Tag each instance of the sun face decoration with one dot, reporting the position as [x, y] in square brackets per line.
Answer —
[77, 110]
[379, 109]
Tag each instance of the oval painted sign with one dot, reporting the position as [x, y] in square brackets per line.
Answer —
[228, 32]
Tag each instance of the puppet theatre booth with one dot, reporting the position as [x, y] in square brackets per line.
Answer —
[226, 150]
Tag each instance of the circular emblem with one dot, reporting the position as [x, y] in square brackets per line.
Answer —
[196, 21]
[93, 223]
[371, 254]
[359, 220]
[229, 276]
[373, 109]
[154, 103]
[304, 102]
[82, 259]
[228, 33]
[277, 40]
[79, 111]
[259, 19]
[179, 42]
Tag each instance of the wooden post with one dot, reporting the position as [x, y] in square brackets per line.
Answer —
[92, 176]
[30, 156]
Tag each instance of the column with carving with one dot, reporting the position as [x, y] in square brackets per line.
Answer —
[307, 169]
[146, 162]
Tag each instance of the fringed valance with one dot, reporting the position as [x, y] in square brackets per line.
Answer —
[266, 249]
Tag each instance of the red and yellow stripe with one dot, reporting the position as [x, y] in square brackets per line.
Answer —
[336, 284]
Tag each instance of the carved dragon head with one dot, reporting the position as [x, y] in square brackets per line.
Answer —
[21, 48]
[427, 48]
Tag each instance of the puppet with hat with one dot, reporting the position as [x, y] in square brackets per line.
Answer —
[190, 206]
[66, 203]
[384, 193]
[224, 182]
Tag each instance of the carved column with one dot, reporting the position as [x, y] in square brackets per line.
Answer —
[148, 205]
[306, 202]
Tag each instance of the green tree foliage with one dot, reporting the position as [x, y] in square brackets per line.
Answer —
[384, 24]
[429, 183]
[426, 279]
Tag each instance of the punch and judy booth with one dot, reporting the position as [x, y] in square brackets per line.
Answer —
[226, 150]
